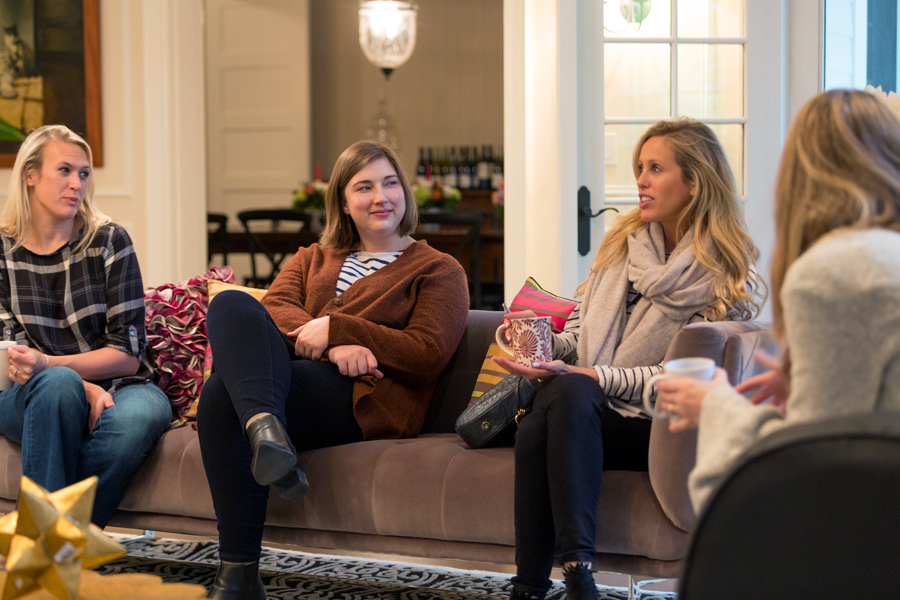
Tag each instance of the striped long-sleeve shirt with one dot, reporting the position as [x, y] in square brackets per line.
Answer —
[358, 264]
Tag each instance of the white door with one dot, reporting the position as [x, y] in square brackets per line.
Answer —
[258, 111]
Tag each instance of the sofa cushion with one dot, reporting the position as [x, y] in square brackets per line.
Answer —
[176, 331]
[455, 384]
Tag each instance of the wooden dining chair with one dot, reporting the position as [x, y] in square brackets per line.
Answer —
[217, 238]
[270, 221]
[472, 218]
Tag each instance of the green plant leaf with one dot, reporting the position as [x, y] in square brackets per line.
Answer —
[10, 133]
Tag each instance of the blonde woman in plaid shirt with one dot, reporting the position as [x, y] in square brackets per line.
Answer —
[83, 400]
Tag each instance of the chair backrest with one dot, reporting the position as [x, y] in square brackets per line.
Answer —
[809, 512]
[298, 236]
[456, 382]
[217, 238]
[472, 218]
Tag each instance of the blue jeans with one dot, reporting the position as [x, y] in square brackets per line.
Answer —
[48, 416]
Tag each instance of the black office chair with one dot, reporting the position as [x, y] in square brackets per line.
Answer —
[472, 218]
[811, 512]
[257, 244]
[217, 237]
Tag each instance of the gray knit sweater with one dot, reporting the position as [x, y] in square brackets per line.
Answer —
[841, 302]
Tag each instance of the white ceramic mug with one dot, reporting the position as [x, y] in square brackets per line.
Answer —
[702, 369]
[5, 381]
[531, 339]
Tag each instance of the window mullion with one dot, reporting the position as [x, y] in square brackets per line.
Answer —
[674, 57]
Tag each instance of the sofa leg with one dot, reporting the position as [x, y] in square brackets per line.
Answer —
[149, 534]
[636, 588]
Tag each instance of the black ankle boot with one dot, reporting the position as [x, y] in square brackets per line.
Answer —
[237, 582]
[515, 594]
[292, 486]
[580, 583]
[273, 454]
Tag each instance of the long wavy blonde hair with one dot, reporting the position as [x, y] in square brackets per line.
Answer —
[15, 221]
[720, 241]
[840, 169]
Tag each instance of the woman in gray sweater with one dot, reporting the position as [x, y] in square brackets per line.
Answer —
[836, 288]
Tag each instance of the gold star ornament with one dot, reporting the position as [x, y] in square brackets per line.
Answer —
[50, 539]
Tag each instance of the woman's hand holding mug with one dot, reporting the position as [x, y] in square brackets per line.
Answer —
[681, 396]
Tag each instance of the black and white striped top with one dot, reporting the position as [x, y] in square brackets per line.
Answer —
[358, 264]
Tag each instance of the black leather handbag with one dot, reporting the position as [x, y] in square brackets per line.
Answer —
[491, 419]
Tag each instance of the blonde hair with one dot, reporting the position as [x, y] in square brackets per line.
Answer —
[840, 169]
[15, 221]
[719, 240]
[340, 230]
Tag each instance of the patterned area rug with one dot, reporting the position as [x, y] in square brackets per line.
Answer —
[290, 574]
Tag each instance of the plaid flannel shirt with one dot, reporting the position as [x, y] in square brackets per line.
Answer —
[69, 302]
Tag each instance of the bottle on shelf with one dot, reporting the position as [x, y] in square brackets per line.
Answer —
[445, 165]
[429, 165]
[436, 172]
[497, 176]
[464, 171]
[451, 178]
[474, 161]
[420, 168]
[485, 168]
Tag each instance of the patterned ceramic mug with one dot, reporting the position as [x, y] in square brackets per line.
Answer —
[531, 339]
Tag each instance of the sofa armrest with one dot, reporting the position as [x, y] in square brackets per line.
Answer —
[672, 455]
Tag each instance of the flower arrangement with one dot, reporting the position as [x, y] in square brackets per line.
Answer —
[892, 99]
[311, 196]
[435, 195]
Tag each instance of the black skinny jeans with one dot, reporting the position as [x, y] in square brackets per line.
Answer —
[562, 447]
[257, 371]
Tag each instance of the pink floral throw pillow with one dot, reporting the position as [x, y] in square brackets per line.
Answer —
[176, 330]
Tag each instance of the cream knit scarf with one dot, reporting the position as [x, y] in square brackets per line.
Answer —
[672, 292]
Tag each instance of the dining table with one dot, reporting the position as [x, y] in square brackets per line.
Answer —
[446, 238]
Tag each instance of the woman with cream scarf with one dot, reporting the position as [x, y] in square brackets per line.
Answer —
[682, 256]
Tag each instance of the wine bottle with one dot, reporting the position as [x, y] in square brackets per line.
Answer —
[484, 169]
[452, 177]
[420, 168]
[436, 171]
[497, 178]
[465, 169]
[445, 165]
[429, 166]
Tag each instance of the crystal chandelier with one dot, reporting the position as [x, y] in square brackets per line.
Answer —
[387, 32]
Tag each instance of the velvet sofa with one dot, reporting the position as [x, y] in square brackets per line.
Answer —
[432, 496]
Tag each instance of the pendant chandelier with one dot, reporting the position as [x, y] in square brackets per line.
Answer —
[387, 32]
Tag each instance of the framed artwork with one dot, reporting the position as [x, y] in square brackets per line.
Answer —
[49, 71]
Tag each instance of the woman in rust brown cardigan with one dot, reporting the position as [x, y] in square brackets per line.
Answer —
[347, 345]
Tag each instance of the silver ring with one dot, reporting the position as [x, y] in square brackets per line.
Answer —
[16, 372]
